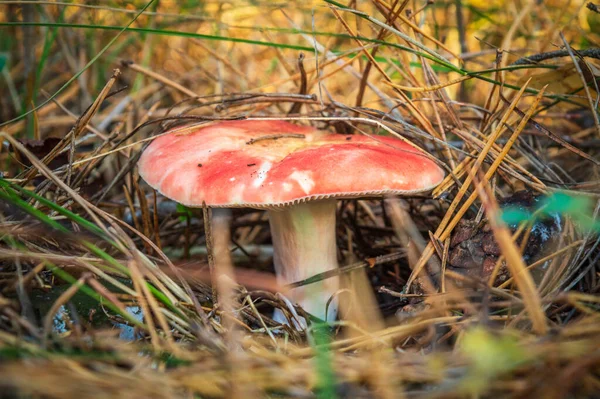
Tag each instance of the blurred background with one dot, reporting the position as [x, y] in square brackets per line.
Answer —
[486, 287]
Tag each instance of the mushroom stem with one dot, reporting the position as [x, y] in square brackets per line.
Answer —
[304, 245]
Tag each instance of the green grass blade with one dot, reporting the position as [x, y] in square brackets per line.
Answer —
[86, 224]
[11, 196]
[326, 381]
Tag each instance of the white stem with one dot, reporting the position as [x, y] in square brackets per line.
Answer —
[304, 245]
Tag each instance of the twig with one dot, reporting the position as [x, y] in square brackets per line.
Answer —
[592, 7]
[276, 137]
[535, 58]
[151, 74]
[371, 262]
[303, 85]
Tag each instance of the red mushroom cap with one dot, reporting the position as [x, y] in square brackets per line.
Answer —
[267, 164]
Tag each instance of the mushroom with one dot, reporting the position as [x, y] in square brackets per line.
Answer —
[294, 172]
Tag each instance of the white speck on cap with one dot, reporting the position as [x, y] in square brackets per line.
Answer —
[262, 174]
[304, 179]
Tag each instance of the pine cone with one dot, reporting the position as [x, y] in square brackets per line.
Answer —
[474, 250]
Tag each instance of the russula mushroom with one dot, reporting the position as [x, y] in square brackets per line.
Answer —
[294, 172]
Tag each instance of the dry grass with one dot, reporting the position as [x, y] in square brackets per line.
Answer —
[475, 84]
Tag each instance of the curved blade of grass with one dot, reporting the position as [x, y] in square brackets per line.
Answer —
[86, 224]
[194, 35]
[11, 197]
[60, 273]
[444, 66]
[164, 32]
[85, 205]
[14, 199]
